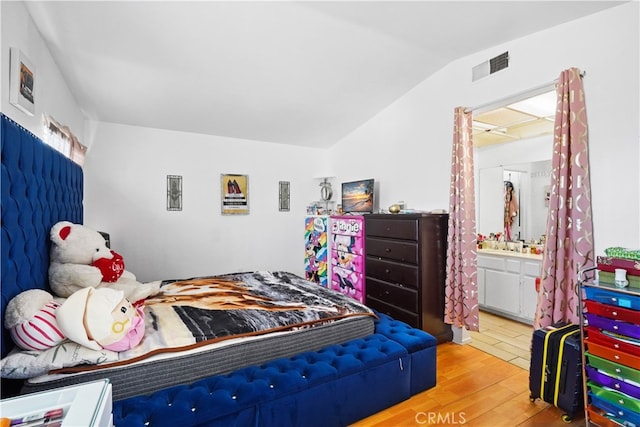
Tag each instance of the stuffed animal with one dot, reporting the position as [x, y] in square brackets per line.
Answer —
[94, 318]
[80, 258]
[31, 320]
[101, 318]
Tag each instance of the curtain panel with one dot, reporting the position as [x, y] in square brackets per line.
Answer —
[461, 289]
[569, 231]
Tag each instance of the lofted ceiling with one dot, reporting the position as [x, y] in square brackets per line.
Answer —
[294, 72]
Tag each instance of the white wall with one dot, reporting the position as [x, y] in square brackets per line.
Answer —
[407, 147]
[125, 195]
[51, 94]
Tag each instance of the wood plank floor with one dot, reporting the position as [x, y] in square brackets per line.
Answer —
[476, 388]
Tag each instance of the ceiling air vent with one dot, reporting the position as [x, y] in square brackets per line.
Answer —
[491, 66]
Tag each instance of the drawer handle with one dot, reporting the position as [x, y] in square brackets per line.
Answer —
[620, 401]
[616, 356]
[614, 313]
[618, 370]
[616, 345]
[617, 385]
[615, 327]
[387, 250]
[386, 293]
[614, 299]
[386, 270]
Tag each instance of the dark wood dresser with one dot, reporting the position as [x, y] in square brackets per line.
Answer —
[405, 269]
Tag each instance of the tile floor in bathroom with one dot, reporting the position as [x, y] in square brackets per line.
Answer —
[504, 338]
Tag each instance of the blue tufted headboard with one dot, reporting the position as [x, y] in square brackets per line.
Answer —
[40, 187]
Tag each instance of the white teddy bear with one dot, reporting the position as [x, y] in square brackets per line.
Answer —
[80, 258]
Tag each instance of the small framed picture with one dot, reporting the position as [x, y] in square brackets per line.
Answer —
[283, 196]
[234, 192]
[174, 192]
[22, 79]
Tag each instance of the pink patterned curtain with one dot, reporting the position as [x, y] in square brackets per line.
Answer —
[569, 235]
[461, 291]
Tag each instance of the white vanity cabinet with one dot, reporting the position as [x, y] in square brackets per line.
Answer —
[507, 283]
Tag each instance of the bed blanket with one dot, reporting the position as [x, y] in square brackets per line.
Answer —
[200, 311]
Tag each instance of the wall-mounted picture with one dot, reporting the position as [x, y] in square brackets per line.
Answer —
[22, 77]
[174, 193]
[284, 196]
[235, 194]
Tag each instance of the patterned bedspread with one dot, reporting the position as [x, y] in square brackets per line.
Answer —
[199, 311]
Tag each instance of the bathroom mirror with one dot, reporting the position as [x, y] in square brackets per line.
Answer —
[513, 143]
[530, 183]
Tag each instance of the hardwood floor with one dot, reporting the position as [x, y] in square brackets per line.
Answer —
[477, 388]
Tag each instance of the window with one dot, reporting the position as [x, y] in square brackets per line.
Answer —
[61, 138]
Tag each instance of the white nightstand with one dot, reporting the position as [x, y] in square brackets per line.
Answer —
[87, 404]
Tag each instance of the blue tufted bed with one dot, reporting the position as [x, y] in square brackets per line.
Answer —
[324, 383]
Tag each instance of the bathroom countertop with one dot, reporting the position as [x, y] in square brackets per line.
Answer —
[512, 254]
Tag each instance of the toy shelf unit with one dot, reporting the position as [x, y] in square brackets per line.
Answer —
[316, 242]
[347, 255]
[611, 344]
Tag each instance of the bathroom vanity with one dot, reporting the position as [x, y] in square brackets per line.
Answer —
[507, 283]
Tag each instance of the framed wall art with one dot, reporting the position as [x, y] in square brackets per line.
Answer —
[234, 191]
[22, 78]
[174, 193]
[284, 196]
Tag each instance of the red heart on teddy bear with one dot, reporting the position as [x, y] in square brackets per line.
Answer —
[111, 269]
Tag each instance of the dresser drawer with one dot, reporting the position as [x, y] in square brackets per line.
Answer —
[613, 369]
[619, 411]
[614, 355]
[602, 379]
[407, 317]
[597, 416]
[613, 312]
[393, 249]
[348, 261]
[593, 335]
[606, 296]
[616, 397]
[392, 272]
[393, 229]
[404, 298]
[615, 326]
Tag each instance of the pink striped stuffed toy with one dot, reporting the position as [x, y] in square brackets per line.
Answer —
[31, 320]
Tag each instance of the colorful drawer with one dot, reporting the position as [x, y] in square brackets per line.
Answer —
[605, 380]
[611, 340]
[607, 295]
[615, 326]
[613, 369]
[615, 397]
[613, 312]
